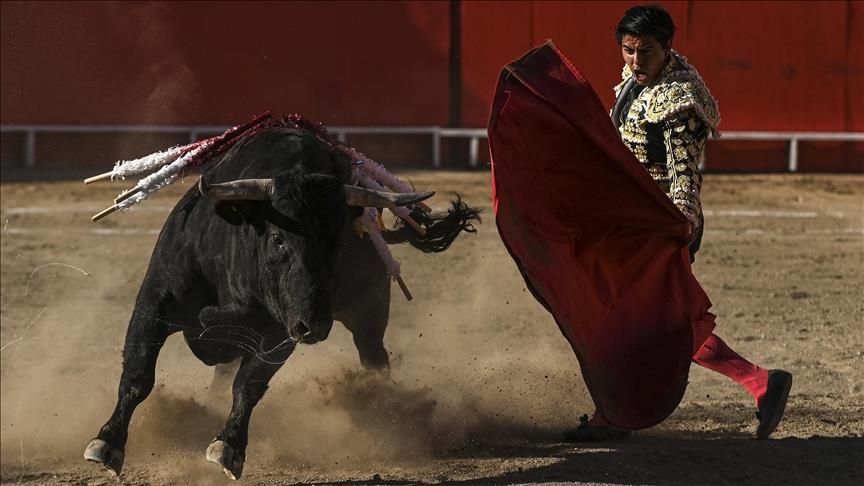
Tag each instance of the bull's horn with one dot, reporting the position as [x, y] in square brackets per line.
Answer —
[248, 189]
[360, 196]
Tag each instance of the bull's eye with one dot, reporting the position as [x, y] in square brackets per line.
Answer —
[277, 239]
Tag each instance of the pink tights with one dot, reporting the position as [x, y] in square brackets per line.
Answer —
[717, 356]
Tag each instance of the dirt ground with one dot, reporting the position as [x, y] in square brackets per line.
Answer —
[482, 382]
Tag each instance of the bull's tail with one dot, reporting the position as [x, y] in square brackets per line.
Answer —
[441, 229]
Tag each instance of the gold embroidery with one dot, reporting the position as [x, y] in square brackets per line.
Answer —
[681, 105]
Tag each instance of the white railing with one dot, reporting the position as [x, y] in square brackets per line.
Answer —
[792, 138]
[474, 135]
[195, 131]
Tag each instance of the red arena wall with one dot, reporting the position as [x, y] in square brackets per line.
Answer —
[773, 66]
[363, 63]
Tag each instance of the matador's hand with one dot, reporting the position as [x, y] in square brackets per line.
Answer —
[692, 232]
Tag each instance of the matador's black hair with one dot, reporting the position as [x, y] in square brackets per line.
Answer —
[651, 20]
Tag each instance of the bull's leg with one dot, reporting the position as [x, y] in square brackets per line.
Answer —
[223, 374]
[228, 449]
[367, 325]
[219, 322]
[144, 340]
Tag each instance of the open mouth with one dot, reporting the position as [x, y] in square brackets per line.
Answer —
[641, 76]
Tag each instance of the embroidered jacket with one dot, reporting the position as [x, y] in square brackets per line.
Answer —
[666, 126]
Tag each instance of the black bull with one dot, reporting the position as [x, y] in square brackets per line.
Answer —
[252, 272]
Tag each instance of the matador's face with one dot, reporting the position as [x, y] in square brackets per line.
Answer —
[645, 56]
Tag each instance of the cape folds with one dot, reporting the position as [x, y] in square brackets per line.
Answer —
[597, 241]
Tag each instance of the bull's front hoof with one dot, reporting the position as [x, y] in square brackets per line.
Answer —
[223, 454]
[111, 459]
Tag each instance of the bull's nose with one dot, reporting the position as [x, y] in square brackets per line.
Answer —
[302, 329]
[310, 332]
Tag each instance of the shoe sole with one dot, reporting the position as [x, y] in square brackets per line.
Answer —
[763, 431]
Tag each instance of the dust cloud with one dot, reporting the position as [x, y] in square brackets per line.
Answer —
[165, 83]
[459, 378]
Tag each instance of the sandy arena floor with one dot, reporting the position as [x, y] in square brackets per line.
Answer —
[482, 381]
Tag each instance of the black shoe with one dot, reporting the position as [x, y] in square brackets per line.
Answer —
[774, 402]
[592, 433]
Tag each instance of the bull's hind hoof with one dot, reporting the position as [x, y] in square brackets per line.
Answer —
[223, 454]
[111, 459]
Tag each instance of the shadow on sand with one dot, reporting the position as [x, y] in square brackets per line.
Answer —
[674, 459]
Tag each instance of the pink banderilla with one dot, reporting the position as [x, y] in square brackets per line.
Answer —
[185, 159]
[370, 222]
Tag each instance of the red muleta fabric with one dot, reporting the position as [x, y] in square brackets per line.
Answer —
[597, 241]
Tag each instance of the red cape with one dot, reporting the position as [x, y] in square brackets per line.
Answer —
[597, 241]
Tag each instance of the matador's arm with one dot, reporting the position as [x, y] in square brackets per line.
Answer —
[685, 136]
